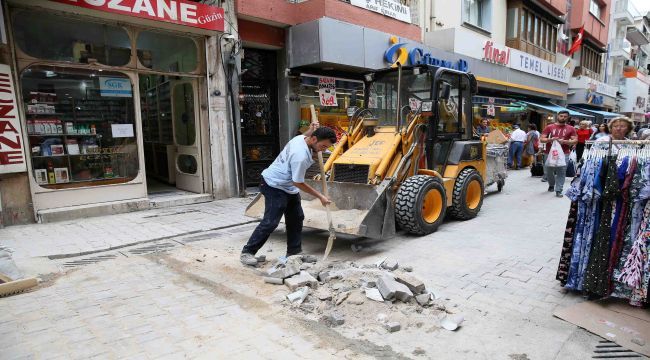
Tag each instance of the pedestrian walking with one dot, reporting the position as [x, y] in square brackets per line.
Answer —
[281, 184]
[531, 145]
[566, 135]
[603, 130]
[584, 133]
[516, 149]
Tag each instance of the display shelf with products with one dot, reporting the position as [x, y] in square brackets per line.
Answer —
[77, 136]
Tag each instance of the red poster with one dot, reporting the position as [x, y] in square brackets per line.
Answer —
[173, 11]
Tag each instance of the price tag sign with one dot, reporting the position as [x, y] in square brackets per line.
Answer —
[414, 104]
[327, 91]
[490, 110]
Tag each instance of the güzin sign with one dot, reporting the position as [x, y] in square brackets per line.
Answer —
[492, 54]
[173, 11]
[12, 155]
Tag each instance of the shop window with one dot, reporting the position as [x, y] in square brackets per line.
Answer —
[477, 13]
[169, 53]
[81, 126]
[45, 36]
[332, 113]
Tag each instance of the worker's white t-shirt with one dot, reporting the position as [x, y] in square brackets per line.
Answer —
[290, 166]
[518, 135]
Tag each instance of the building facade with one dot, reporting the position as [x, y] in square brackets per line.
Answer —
[114, 107]
[628, 60]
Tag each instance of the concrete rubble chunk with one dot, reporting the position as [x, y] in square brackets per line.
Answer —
[340, 298]
[389, 264]
[297, 297]
[423, 299]
[393, 326]
[356, 298]
[306, 266]
[336, 318]
[282, 272]
[323, 295]
[407, 268]
[415, 285]
[274, 281]
[302, 279]
[391, 289]
[452, 322]
[374, 294]
[325, 276]
[309, 259]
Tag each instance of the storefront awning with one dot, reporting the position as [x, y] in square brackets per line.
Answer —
[604, 114]
[550, 107]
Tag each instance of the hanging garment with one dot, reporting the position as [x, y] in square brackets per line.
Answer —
[567, 245]
[583, 194]
[596, 276]
[622, 226]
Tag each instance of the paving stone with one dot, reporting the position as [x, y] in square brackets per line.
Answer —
[393, 326]
[391, 289]
[414, 284]
[300, 280]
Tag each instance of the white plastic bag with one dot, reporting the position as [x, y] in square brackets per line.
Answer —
[556, 155]
[7, 265]
[573, 156]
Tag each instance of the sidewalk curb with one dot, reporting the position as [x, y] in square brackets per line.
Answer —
[84, 253]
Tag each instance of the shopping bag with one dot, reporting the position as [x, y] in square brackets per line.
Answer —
[570, 168]
[556, 155]
[573, 157]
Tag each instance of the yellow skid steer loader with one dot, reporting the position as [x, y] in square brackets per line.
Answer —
[406, 160]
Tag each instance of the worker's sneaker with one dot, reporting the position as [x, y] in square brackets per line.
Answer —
[558, 194]
[248, 259]
[551, 188]
[544, 180]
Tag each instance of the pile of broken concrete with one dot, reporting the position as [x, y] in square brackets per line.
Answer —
[330, 292]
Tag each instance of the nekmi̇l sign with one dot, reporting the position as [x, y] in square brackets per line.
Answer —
[390, 8]
[115, 87]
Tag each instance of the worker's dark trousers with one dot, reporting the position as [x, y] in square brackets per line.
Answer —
[276, 204]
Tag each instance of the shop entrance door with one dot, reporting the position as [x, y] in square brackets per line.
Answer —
[187, 163]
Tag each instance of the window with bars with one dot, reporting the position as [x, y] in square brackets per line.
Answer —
[591, 59]
[531, 32]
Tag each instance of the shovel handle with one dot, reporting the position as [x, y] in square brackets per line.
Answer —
[322, 172]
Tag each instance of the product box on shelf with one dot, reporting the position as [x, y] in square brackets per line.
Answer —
[61, 175]
[72, 146]
[40, 175]
[57, 150]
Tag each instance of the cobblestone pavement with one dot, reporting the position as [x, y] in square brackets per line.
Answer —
[72, 238]
[497, 270]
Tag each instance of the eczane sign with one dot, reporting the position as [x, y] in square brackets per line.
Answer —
[172, 11]
[12, 155]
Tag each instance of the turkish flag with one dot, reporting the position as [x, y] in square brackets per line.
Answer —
[577, 41]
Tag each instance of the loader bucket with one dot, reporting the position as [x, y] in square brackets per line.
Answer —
[357, 209]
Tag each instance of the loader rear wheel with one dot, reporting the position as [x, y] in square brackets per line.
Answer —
[467, 198]
[421, 204]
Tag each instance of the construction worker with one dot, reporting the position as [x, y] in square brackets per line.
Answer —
[281, 184]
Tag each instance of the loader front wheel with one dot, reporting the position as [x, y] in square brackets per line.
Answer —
[467, 198]
[421, 204]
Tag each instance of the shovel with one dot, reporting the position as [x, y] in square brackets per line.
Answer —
[321, 164]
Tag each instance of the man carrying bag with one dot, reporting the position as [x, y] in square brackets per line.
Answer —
[559, 138]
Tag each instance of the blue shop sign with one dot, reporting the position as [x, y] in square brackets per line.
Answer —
[398, 52]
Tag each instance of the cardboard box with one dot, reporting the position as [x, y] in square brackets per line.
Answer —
[496, 137]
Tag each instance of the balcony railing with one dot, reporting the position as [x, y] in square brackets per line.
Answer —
[620, 48]
[583, 71]
[529, 48]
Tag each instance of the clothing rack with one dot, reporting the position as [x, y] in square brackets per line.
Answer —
[608, 225]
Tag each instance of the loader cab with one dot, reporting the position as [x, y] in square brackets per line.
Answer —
[441, 96]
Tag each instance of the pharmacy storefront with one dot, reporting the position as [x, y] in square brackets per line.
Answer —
[113, 98]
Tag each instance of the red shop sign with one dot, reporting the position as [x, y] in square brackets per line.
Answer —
[173, 11]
